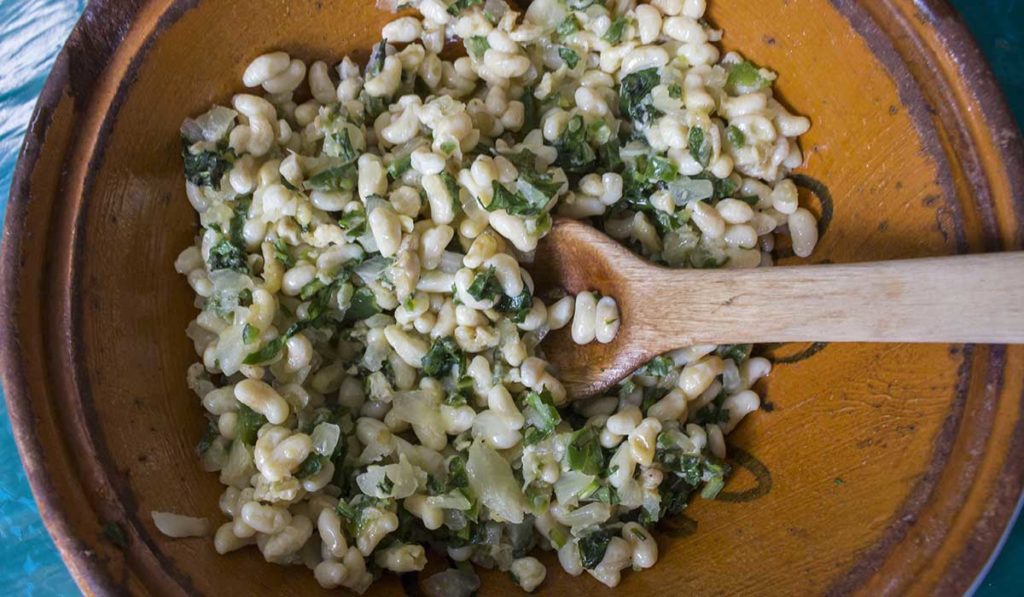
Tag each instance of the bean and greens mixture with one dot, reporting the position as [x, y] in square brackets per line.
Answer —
[369, 346]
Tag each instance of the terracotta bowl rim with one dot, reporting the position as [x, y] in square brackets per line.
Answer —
[89, 572]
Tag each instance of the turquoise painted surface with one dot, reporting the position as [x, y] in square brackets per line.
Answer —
[31, 33]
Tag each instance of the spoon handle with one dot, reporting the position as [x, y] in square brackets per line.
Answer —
[970, 298]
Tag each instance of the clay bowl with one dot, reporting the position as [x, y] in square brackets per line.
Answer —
[873, 468]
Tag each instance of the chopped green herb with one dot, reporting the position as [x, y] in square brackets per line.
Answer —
[444, 357]
[456, 8]
[364, 305]
[735, 136]
[250, 334]
[737, 352]
[281, 253]
[593, 546]
[226, 255]
[461, 393]
[714, 479]
[377, 57]
[575, 155]
[353, 223]
[700, 146]
[659, 366]
[339, 178]
[745, 77]
[541, 411]
[531, 112]
[310, 466]
[206, 168]
[713, 413]
[452, 186]
[485, 285]
[635, 99]
[249, 423]
[448, 147]
[209, 436]
[567, 27]
[400, 166]
[750, 200]
[516, 307]
[569, 57]
[615, 30]
[477, 46]
[584, 452]
[339, 145]
[675, 91]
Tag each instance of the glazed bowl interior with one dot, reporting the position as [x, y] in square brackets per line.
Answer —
[872, 466]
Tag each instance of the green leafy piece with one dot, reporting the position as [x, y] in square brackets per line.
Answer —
[615, 30]
[567, 27]
[745, 77]
[659, 366]
[400, 166]
[452, 186]
[635, 100]
[339, 144]
[531, 112]
[605, 494]
[458, 478]
[209, 436]
[206, 168]
[651, 396]
[353, 223]
[377, 57]
[575, 155]
[541, 411]
[485, 285]
[675, 91]
[737, 352]
[347, 512]
[713, 411]
[735, 136]
[374, 106]
[714, 479]
[477, 46]
[236, 228]
[444, 357]
[569, 57]
[456, 8]
[610, 156]
[675, 495]
[448, 147]
[364, 305]
[310, 466]
[532, 436]
[268, 352]
[461, 393]
[584, 452]
[516, 308]
[750, 200]
[310, 290]
[593, 546]
[338, 178]
[249, 422]
[250, 334]
[700, 146]
[281, 253]
[226, 255]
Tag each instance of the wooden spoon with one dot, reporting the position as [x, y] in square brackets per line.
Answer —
[968, 298]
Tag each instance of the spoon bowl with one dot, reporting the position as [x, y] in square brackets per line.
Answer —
[970, 298]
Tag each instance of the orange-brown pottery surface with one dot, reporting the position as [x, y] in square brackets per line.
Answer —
[876, 469]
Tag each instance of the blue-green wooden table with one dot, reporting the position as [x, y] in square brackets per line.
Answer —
[31, 34]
